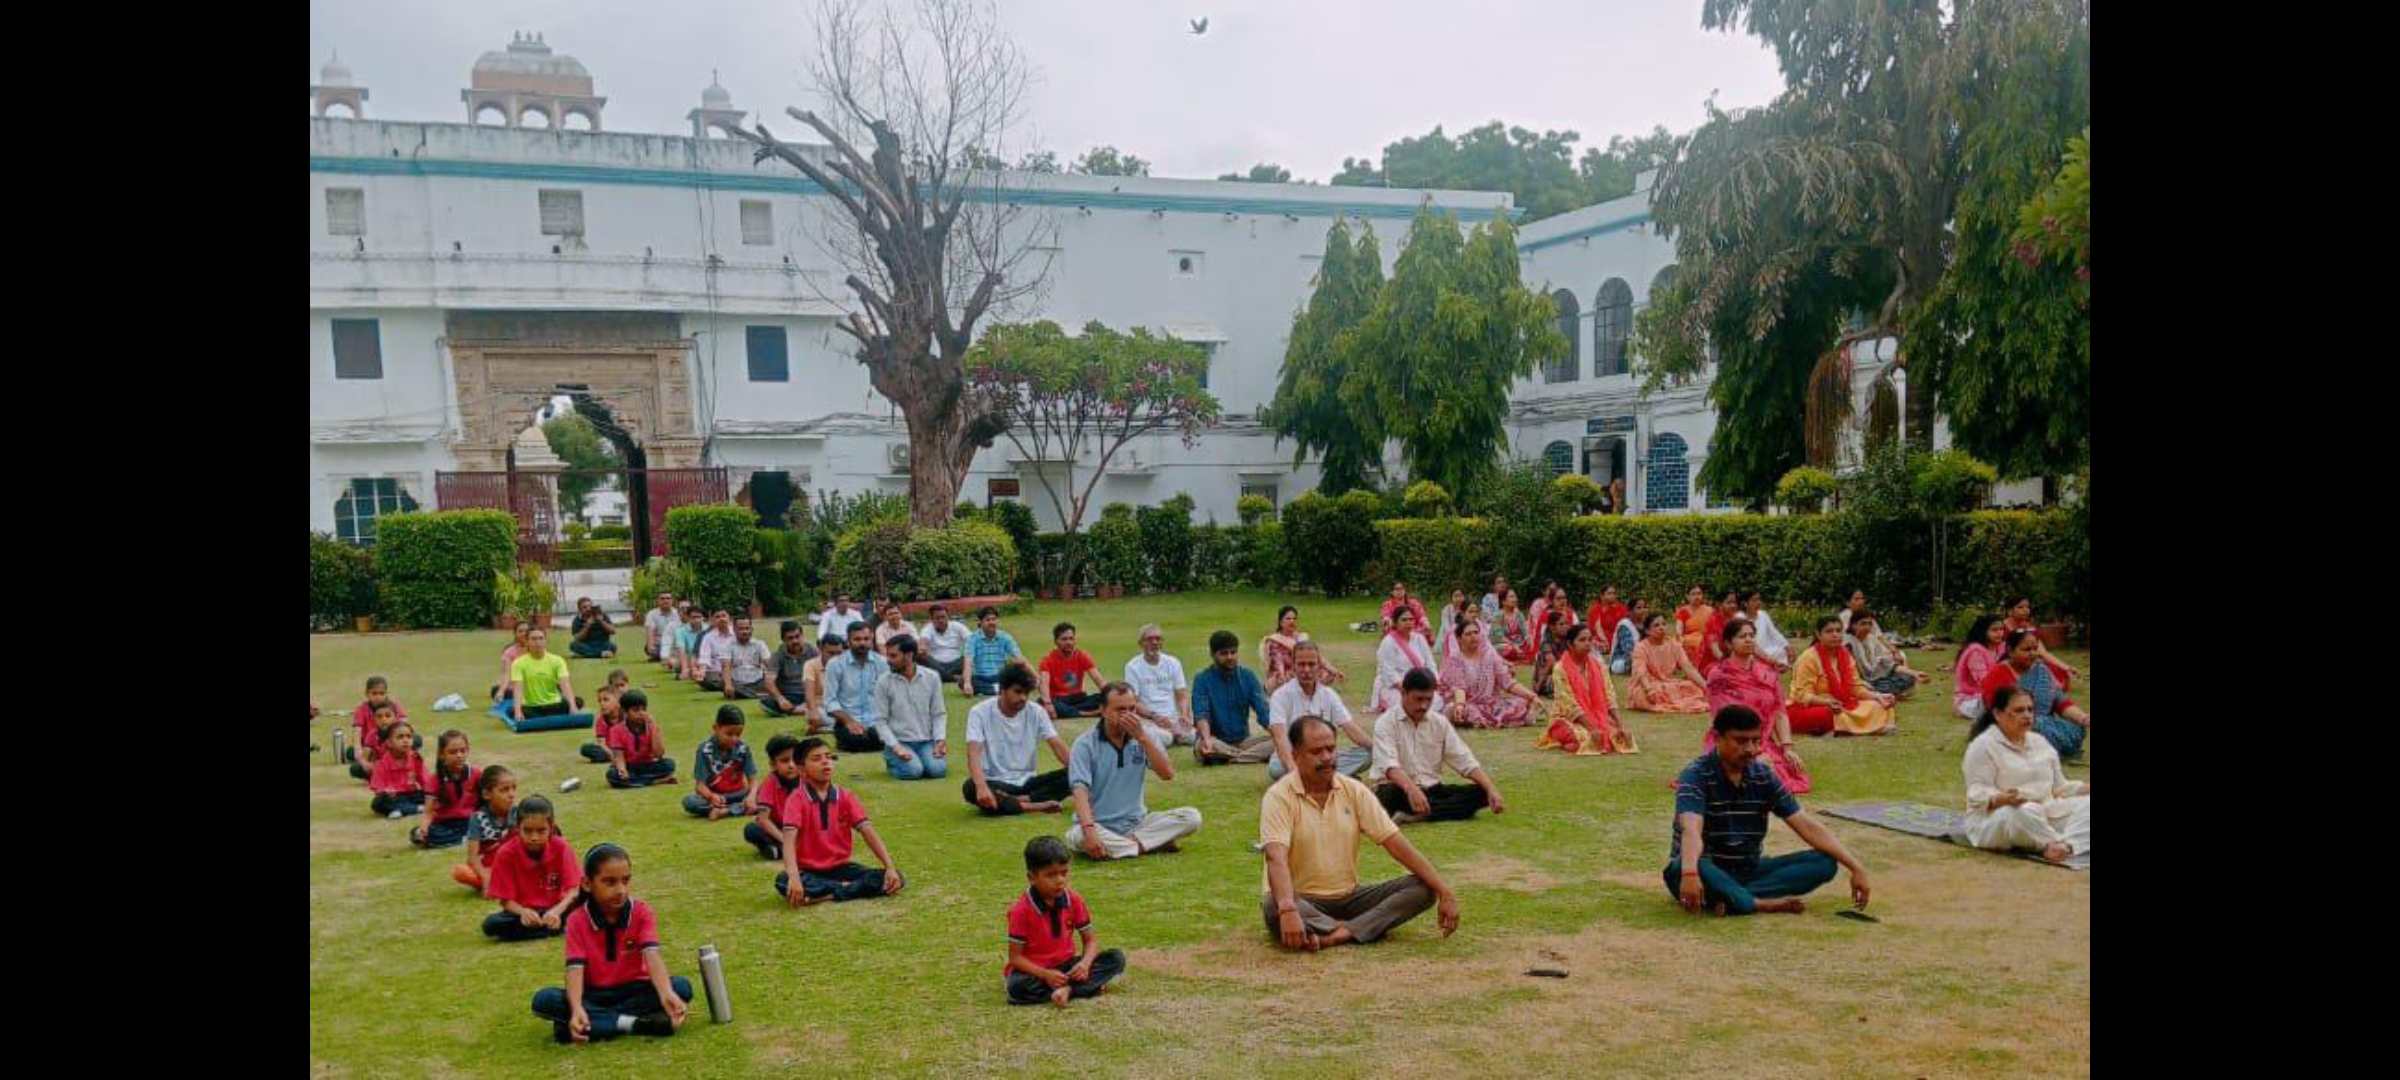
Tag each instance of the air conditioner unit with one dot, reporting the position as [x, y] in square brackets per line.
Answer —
[897, 455]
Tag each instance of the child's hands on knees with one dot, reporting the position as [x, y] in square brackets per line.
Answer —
[579, 1025]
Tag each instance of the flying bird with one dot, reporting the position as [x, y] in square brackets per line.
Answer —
[1199, 26]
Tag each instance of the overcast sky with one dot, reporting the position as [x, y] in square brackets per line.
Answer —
[1302, 84]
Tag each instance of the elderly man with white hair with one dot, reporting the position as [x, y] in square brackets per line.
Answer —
[1166, 696]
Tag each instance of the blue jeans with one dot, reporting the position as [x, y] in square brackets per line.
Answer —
[604, 1004]
[1740, 891]
[985, 685]
[644, 774]
[923, 766]
[768, 844]
[848, 881]
[735, 806]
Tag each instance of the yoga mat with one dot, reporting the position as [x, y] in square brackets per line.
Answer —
[1934, 823]
[561, 722]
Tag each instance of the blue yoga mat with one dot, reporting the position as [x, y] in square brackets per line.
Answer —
[561, 722]
[1933, 823]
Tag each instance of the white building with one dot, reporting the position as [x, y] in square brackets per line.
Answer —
[461, 274]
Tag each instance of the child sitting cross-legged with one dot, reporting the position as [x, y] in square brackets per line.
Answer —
[817, 822]
[1043, 962]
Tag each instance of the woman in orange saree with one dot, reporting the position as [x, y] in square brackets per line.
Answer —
[1584, 719]
[1664, 679]
[1691, 621]
[1827, 697]
[1747, 679]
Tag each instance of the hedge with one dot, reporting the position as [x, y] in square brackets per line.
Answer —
[716, 543]
[782, 578]
[1113, 548]
[437, 567]
[1433, 555]
[342, 582]
[1330, 541]
[967, 558]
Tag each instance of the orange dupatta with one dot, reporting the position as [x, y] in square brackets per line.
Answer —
[1588, 724]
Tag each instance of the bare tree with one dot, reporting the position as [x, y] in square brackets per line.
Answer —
[928, 245]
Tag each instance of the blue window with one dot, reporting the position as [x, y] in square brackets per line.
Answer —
[770, 359]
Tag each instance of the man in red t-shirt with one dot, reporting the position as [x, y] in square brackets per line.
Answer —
[1067, 687]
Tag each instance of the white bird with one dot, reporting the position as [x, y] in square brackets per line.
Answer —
[1199, 26]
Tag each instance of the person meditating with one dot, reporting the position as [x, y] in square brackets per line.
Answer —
[1005, 736]
[2020, 617]
[1277, 650]
[1664, 678]
[1826, 697]
[1107, 768]
[1605, 614]
[1403, 650]
[1584, 719]
[508, 660]
[1309, 823]
[1066, 676]
[1773, 647]
[1400, 601]
[1745, 678]
[1987, 642]
[1306, 695]
[1624, 635]
[1552, 623]
[1692, 622]
[1445, 623]
[1721, 806]
[2018, 796]
[593, 634]
[2055, 714]
[538, 683]
[659, 626]
[1491, 600]
[1883, 668]
[1484, 691]
[1513, 631]
[1412, 743]
[1226, 698]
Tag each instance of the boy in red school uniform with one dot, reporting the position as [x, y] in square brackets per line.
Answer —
[607, 717]
[637, 752]
[1043, 963]
[817, 822]
[533, 876]
[370, 729]
[765, 831]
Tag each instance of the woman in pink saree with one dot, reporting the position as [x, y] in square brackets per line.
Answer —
[1483, 689]
[1975, 662]
[1747, 679]
[1664, 679]
[1583, 720]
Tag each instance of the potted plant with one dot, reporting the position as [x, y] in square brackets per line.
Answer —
[524, 595]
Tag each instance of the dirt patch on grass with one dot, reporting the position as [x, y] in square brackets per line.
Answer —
[1502, 872]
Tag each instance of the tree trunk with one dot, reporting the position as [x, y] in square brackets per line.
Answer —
[937, 465]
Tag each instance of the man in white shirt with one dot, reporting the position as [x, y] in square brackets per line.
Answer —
[942, 646]
[1005, 736]
[1166, 697]
[1412, 743]
[742, 666]
[714, 647]
[659, 626]
[836, 620]
[1306, 695]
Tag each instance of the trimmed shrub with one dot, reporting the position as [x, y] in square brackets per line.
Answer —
[1253, 509]
[342, 582]
[1998, 554]
[1575, 493]
[1016, 519]
[660, 574]
[1166, 543]
[872, 558]
[1950, 482]
[1050, 560]
[1804, 490]
[438, 567]
[1433, 556]
[1330, 541]
[717, 543]
[1797, 560]
[1426, 499]
[1113, 546]
[783, 584]
[612, 532]
[1213, 557]
[970, 558]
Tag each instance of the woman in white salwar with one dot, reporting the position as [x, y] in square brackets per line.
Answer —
[1773, 647]
[2018, 797]
[1404, 649]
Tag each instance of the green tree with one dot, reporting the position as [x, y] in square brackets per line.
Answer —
[587, 455]
[1093, 392]
[1309, 407]
[1540, 170]
[1109, 161]
[1448, 335]
[1263, 173]
[1858, 190]
[1609, 173]
[1038, 161]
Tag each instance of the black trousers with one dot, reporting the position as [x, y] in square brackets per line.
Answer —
[1041, 787]
[411, 803]
[866, 742]
[849, 881]
[604, 1004]
[506, 927]
[1072, 705]
[1450, 802]
[644, 774]
[768, 844]
[1024, 989]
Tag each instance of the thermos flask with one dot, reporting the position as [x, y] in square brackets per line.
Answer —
[712, 978]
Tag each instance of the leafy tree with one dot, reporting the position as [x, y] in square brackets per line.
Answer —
[1098, 391]
[1449, 334]
[1262, 173]
[1904, 127]
[1038, 161]
[1609, 173]
[1540, 170]
[588, 459]
[1309, 407]
[1109, 161]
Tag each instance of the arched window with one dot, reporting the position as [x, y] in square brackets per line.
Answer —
[1560, 457]
[1661, 282]
[1567, 368]
[1612, 324]
[590, 122]
[1670, 476]
[354, 513]
[533, 117]
[493, 109]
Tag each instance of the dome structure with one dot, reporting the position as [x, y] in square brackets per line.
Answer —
[337, 88]
[529, 81]
[716, 112]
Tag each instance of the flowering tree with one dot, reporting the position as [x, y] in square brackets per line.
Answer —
[1096, 391]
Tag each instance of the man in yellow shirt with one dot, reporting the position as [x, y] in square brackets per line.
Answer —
[1309, 823]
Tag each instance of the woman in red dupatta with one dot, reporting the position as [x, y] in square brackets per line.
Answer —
[1583, 720]
[1747, 679]
[1512, 632]
[1827, 697]
[1694, 622]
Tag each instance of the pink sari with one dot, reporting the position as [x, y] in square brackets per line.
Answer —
[1974, 663]
[1756, 685]
[1485, 681]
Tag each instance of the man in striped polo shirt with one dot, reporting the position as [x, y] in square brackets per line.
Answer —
[1721, 805]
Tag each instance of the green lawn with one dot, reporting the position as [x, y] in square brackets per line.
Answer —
[1981, 965]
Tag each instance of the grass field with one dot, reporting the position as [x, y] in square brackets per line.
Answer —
[1981, 965]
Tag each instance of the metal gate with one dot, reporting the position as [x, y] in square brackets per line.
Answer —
[532, 498]
[665, 489]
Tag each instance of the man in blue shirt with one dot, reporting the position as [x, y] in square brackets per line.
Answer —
[1226, 697]
[1106, 768]
[850, 692]
[1721, 806]
[989, 649]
